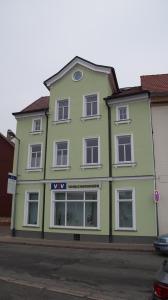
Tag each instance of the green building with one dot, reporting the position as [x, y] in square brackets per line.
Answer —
[84, 160]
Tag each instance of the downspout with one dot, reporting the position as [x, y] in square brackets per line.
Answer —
[110, 173]
[154, 163]
[44, 177]
[14, 195]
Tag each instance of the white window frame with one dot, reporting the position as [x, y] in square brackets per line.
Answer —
[25, 223]
[127, 113]
[33, 125]
[30, 157]
[84, 115]
[56, 111]
[84, 151]
[52, 209]
[117, 201]
[55, 154]
[76, 80]
[117, 162]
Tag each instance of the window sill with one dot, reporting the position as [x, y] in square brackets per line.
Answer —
[61, 121]
[36, 132]
[126, 229]
[75, 227]
[125, 164]
[34, 170]
[32, 226]
[128, 121]
[96, 166]
[60, 168]
[86, 118]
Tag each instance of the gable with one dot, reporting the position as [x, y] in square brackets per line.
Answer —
[83, 63]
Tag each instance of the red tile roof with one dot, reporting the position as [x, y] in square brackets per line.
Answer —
[7, 140]
[155, 83]
[38, 105]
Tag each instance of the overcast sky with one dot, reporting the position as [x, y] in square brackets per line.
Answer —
[38, 37]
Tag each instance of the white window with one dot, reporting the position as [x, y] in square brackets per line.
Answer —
[75, 209]
[37, 125]
[125, 209]
[35, 154]
[77, 75]
[62, 110]
[31, 208]
[91, 105]
[91, 151]
[122, 113]
[61, 153]
[124, 149]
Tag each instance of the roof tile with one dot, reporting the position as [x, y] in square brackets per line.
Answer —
[155, 83]
[40, 104]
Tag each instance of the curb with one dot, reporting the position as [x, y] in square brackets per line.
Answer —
[77, 245]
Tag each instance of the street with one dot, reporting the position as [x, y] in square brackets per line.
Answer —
[31, 272]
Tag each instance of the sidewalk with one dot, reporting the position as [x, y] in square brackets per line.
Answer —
[6, 238]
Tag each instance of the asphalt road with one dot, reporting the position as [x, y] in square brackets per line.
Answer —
[28, 272]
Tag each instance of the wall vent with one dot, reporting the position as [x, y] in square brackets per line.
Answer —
[76, 237]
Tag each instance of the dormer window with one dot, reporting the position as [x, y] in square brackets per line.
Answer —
[37, 125]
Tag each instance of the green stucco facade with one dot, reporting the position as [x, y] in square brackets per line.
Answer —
[137, 177]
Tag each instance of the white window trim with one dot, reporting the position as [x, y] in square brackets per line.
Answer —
[36, 131]
[84, 116]
[86, 165]
[117, 209]
[60, 167]
[75, 227]
[124, 163]
[117, 113]
[29, 168]
[26, 208]
[76, 80]
[56, 111]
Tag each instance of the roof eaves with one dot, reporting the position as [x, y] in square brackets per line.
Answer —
[120, 95]
[30, 111]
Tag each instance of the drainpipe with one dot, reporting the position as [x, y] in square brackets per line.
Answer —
[12, 135]
[44, 177]
[110, 173]
[154, 162]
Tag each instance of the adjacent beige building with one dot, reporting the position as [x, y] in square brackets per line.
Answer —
[158, 87]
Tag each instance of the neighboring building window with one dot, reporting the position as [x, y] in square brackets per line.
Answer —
[75, 209]
[31, 209]
[36, 126]
[90, 105]
[35, 156]
[125, 203]
[122, 113]
[124, 149]
[62, 111]
[91, 151]
[61, 153]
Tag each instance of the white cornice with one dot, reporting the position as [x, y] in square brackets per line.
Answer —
[94, 179]
[133, 98]
[29, 115]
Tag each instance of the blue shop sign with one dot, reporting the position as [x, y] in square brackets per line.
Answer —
[58, 186]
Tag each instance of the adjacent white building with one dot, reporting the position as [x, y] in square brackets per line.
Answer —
[158, 87]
